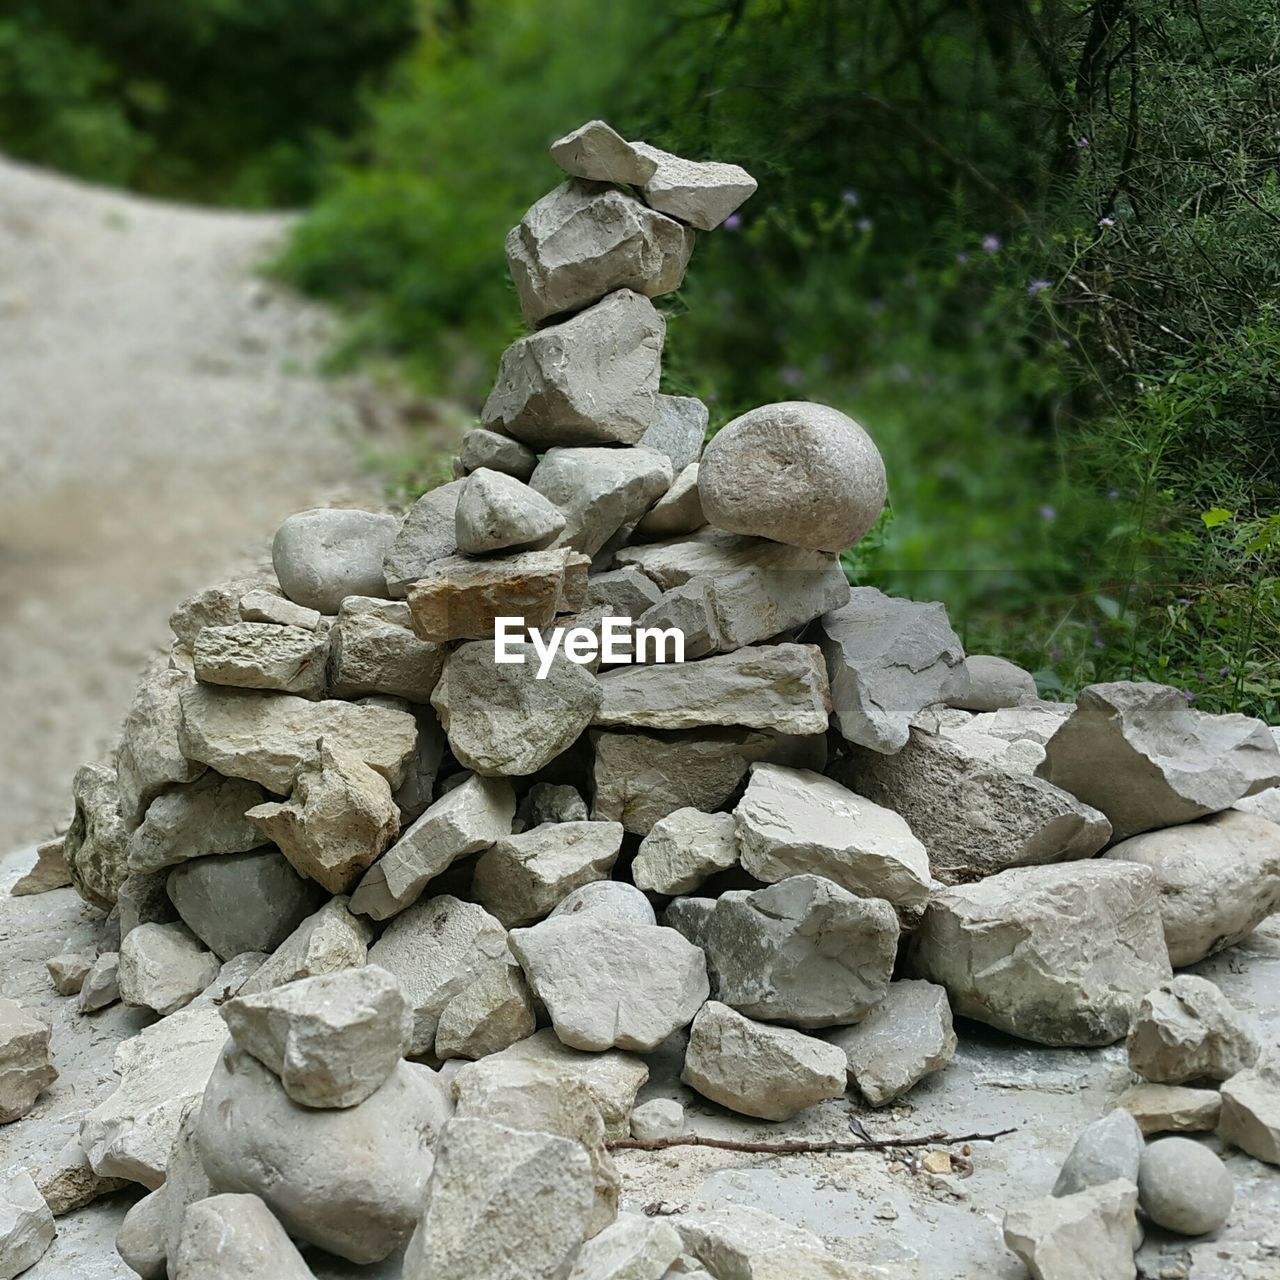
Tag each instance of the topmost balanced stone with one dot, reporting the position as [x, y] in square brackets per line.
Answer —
[584, 240]
[794, 472]
[324, 555]
[600, 153]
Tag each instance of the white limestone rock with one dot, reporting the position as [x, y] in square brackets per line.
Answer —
[658, 1118]
[150, 755]
[679, 429]
[68, 970]
[1166, 1108]
[193, 821]
[1105, 1150]
[993, 684]
[600, 490]
[1084, 1236]
[1059, 955]
[737, 1240]
[684, 849]
[163, 967]
[678, 511]
[25, 1069]
[483, 448]
[607, 900]
[265, 737]
[599, 153]
[887, 660]
[701, 193]
[584, 240]
[759, 1070]
[502, 1204]
[907, 1036]
[96, 844]
[793, 820]
[323, 555]
[373, 650]
[338, 820]
[437, 948]
[795, 472]
[633, 1248]
[101, 985]
[267, 606]
[242, 901]
[1218, 879]
[427, 534]
[1185, 1030]
[1184, 1187]
[499, 513]
[781, 687]
[1250, 1116]
[235, 1237]
[332, 1039]
[607, 984]
[262, 655]
[522, 877]
[216, 606]
[502, 720]
[27, 1228]
[348, 1180]
[490, 1014]
[1140, 754]
[326, 942]
[803, 951]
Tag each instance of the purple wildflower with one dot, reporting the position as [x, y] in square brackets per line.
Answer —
[990, 244]
[1047, 513]
[1038, 285]
[864, 225]
[850, 197]
[962, 258]
[1106, 222]
[1190, 697]
[1082, 142]
[733, 222]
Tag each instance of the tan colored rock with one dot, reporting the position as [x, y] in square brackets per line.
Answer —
[1166, 1108]
[339, 819]
[232, 1237]
[263, 655]
[26, 1226]
[50, 871]
[150, 755]
[684, 849]
[267, 606]
[1251, 1112]
[1186, 1029]
[25, 1069]
[68, 1182]
[68, 970]
[1086, 1236]
[373, 650]
[490, 1014]
[216, 606]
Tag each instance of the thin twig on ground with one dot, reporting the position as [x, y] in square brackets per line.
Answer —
[801, 1147]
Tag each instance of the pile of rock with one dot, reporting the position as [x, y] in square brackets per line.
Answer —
[445, 904]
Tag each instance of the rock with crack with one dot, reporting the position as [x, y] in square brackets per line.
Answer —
[323, 555]
[373, 650]
[242, 901]
[887, 660]
[488, 1015]
[502, 1204]
[976, 811]
[633, 1248]
[993, 683]
[907, 1036]
[1106, 1150]
[1184, 1187]
[1251, 1112]
[607, 900]
[586, 239]
[260, 655]
[333, 1039]
[68, 970]
[348, 1180]
[456, 598]
[330, 940]
[1166, 1108]
[339, 819]
[164, 967]
[193, 821]
[522, 877]
[428, 533]
[101, 985]
[68, 1182]
[150, 756]
[1218, 880]
[267, 606]
[1079, 1237]
[491, 449]
[600, 490]
[437, 949]
[599, 153]
[679, 429]
[586, 381]
[792, 821]
[607, 984]
[1145, 758]
[496, 512]
[1059, 955]
[265, 737]
[26, 1226]
[796, 472]
[1187, 1030]
[50, 871]
[756, 588]
[803, 951]
[759, 1070]
[684, 849]
[702, 193]
[781, 687]
[678, 511]
[25, 1069]
[511, 719]
[528, 1096]
[463, 821]
[235, 1237]
[96, 843]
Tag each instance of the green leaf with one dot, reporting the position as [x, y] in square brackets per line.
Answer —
[1216, 516]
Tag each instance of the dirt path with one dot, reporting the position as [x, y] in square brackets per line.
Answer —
[158, 418]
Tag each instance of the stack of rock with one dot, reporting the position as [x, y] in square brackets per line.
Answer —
[338, 828]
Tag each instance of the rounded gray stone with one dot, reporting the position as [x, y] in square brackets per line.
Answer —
[608, 900]
[794, 472]
[1184, 1187]
[1107, 1149]
[323, 555]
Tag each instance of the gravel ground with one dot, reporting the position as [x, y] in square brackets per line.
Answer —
[158, 417]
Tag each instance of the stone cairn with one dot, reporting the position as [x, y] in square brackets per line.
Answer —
[411, 918]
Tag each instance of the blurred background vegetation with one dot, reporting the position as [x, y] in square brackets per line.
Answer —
[1030, 244]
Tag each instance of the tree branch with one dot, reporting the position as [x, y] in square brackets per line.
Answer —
[802, 1148]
